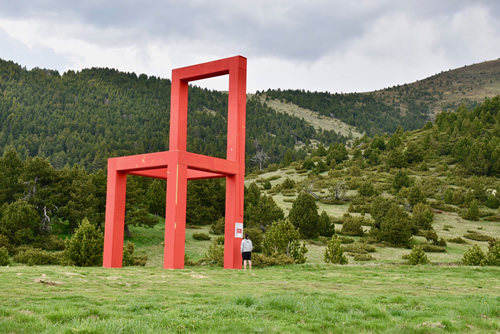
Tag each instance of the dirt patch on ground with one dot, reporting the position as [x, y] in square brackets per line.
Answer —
[433, 325]
[198, 276]
[42, 281]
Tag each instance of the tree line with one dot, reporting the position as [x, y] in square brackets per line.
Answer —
[88, 116]
[367, 112]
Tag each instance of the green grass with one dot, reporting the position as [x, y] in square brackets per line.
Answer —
[149, 242]
[304, 298]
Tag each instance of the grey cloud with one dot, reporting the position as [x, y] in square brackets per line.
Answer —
[304, 31]
[40, 57]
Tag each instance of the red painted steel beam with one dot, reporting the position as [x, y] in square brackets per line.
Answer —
[211, 69]
[162, 173]
[142, 161]
[208, 164]
[160, 161]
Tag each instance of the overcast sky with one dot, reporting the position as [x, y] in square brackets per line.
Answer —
[330, 45]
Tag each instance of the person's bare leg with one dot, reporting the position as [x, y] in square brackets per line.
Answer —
[245, 265]
[250, 264]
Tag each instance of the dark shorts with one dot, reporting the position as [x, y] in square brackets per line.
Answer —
[247, 255]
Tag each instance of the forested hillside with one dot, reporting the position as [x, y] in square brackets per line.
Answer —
[366, 112]
[409, 105]
[86, 117]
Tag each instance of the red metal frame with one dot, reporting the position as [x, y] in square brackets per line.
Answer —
[178, 166]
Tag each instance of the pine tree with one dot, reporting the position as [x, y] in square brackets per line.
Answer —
[304, 215]
[401, 179]
[85, 248]
[156, 197]
[395, 228]
[417, 256]
[264, 213]
[20, 222]
[474, 256]
[11, 167]
[334, 253]
[325, 225]
[473, 212]
[283, 238]
[422, 217]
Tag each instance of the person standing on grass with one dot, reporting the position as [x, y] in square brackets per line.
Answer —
[246, 252]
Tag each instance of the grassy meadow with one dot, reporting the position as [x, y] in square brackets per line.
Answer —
[375, 297]
[295, 299]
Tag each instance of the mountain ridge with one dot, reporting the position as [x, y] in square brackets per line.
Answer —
[408, 105]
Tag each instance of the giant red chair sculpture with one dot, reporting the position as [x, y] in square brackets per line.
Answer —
[178, 166]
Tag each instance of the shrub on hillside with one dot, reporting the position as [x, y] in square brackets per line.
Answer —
[432, 248]
[492, 202]
[476, 236]
[352, 226]
[474, 256]
[201, 236]
[49, 242]
[283, 238]
[288, 193]
[4, 257]
[215, 253]
[493, 255]
[129, 259]
[458, 197]
[457, 240]
[417, 256]
[190, 263]
[422, 217]
[85, 247]
[472, 213]
[288, 184]
[218, 226]
[272, 168]
[366, 189]
[334, 253]
[432, 237]
[401, 179]
[494, 218]
[4, 242]
[422, 167]
[261, 260]
[440, 205]
[346, 240]
[363, 257]
[36, 256]
[416, 195]
[325, 225]
[308, 164]
[448, 196]
[379, 209]
[359, 248]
